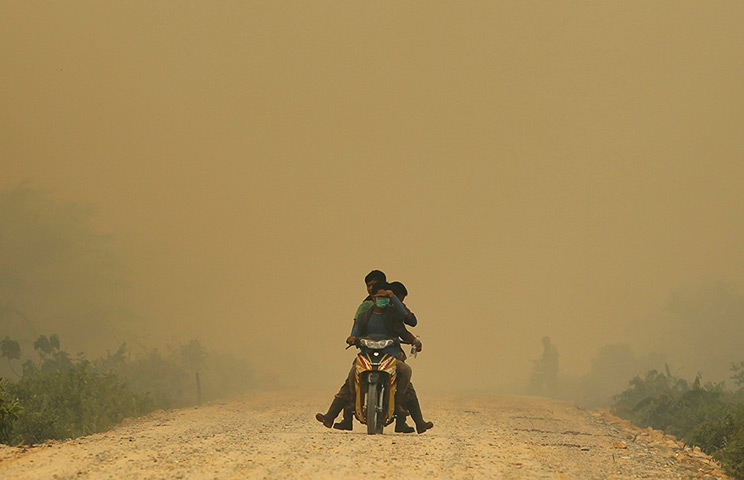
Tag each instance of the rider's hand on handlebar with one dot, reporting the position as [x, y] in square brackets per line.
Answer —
[351, 340]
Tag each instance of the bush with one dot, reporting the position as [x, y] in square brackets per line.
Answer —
[608, 373]
[168, 377]
[723, 438]
[62, 397]
[160, 377]
[71, 401]
[9, 411]
[707, 416]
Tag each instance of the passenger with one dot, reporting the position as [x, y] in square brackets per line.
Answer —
[344, 399]
[401, 292]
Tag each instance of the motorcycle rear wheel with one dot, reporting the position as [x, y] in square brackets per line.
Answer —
[372, 393]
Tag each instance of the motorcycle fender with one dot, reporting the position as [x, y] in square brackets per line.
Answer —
[361, 365]
[392, 388]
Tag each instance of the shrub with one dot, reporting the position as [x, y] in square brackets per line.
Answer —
[707, 416]
[9, 411]
[74, 401]
[157, 375]
[63, 397]
[723, 438]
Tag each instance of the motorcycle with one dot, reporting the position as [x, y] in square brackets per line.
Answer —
[375, 383]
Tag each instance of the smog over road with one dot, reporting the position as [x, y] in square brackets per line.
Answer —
[564, 170]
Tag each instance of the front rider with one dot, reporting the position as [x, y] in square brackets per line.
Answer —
[394, 316]
[401, 292]
[344, 398]
[386, 318]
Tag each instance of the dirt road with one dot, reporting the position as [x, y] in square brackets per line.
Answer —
[275, 436]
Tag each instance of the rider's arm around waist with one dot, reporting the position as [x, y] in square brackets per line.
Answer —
[399, 310]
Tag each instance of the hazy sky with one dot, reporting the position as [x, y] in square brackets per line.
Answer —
[525, 168]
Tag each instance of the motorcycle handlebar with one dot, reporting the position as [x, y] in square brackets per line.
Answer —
[358, 344]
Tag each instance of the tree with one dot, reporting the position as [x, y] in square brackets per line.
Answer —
[58, 273]
[704, 329]
[11, 350]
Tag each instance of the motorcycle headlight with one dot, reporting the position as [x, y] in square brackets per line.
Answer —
[376, 344]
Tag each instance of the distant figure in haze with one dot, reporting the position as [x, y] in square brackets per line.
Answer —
[545, 371]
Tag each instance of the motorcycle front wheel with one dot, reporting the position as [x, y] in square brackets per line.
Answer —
[372, 393]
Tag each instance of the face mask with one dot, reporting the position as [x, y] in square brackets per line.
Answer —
[382, 302]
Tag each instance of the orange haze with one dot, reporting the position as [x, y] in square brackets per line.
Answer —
[525, 168]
